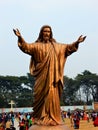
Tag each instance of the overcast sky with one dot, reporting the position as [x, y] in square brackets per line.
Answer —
[68, 18]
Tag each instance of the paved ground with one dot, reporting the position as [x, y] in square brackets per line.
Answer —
[84, 125]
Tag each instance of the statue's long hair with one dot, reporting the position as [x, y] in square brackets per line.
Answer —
[40, 37]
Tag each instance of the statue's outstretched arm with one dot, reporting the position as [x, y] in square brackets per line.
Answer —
[73, 47]
[81, 39]
[18, 34]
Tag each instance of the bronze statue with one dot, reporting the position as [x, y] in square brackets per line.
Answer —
[47, 66]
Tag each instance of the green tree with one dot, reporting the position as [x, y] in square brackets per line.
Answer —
[17, 89]
[9, 85]
[88, 82]
[69, 92]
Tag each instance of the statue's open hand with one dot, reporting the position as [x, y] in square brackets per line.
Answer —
[17, 32]
[81, 39]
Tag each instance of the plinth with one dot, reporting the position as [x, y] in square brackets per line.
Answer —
[41, 127]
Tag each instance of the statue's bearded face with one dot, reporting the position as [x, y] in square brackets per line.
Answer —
[46, 34]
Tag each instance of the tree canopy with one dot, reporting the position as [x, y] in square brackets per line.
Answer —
[83, 89]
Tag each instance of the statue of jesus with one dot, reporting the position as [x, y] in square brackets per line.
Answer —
[48, 58]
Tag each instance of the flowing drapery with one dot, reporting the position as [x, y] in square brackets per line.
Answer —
[47, 65]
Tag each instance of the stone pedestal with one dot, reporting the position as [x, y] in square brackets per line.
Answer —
[41, 127]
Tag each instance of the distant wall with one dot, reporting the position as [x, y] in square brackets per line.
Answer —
[22, 109]
[29, 109]
[85, 107]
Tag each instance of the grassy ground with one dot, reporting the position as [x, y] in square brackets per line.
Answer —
[84, 125]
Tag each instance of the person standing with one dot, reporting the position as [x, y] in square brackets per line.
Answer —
[8, 124]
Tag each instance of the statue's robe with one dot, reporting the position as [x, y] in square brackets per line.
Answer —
[47, 66]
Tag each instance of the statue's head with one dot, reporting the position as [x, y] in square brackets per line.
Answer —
[45, 34]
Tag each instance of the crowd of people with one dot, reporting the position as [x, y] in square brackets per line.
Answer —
[7, 121]
[76, 116]
[25, 120]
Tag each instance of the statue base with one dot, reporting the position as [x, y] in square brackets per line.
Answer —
[41, 127]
